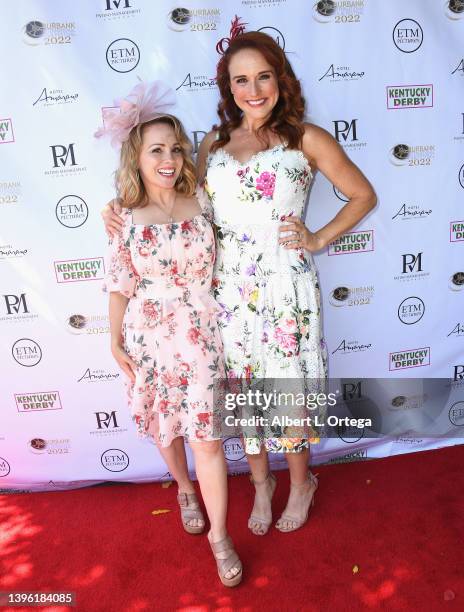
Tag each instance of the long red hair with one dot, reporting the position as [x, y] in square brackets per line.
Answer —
[286, 118]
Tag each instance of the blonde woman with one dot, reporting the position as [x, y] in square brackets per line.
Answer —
[164, 334]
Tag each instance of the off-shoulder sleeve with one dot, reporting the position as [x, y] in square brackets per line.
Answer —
[205, 202]
[120, 272]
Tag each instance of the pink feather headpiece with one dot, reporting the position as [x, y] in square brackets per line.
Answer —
[146, 101]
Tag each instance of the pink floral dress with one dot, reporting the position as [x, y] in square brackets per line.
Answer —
[169, 326]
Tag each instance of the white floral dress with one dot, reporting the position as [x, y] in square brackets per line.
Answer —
[170, 327]
[268, 295]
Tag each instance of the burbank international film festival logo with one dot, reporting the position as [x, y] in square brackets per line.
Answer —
[338, 11]
[53, 446]
[10, 192]
[80, 324]
[456, 281]
[344, 296]
[194, 20]
[38, 401]
[409, 96]
[352, 242]
[454, 9]
[408, 35]
[6, 131]
[71, 211]
[122, 55]
[75, 270]
[114, 10]
[48, 33]
[26, 352]
[412, 155]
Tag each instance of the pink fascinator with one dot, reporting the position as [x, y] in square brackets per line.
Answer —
[146, 101]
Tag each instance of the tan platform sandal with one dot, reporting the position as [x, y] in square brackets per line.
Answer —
[288, 517]
[258, 519]
[225, 565]
[187, 513]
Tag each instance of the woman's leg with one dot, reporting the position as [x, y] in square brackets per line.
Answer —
[264, 489]
[300, 495]
[210, 466]
[176, 460]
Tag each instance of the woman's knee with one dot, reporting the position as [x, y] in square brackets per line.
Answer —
[210, 447]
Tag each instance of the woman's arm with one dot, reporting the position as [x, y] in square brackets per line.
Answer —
[117, 308]
[325, 154]
[111, 217]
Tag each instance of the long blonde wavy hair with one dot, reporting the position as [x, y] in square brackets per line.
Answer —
[129, 185]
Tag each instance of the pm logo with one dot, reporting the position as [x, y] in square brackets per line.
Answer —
[408, 35]
[352, 391]
[63, 156]
[16, 304]
[410, 261]
[106, 419]
[116, 4]
[458, 372]
[345, 130]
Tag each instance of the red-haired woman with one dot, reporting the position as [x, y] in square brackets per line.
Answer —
[257, 166]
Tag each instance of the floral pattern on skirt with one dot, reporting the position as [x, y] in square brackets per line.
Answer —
[170, 326]
[269, 296]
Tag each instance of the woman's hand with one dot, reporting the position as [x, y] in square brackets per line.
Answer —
[299, 236]
[111, 218]
[124, 361]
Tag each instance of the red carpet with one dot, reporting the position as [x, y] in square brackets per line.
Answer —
[399, 520]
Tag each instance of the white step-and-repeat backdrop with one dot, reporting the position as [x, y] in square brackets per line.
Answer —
[385, 78]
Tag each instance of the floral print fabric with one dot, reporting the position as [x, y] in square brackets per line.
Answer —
[268, 295]
[170, 328]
